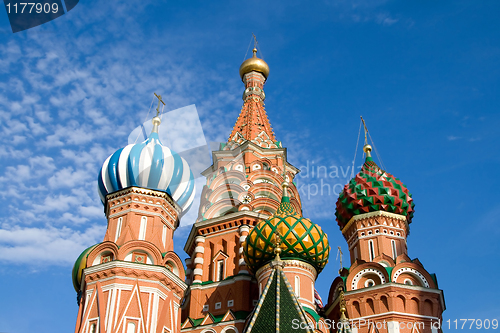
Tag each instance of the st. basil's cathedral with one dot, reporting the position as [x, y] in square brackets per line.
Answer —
[253, 258]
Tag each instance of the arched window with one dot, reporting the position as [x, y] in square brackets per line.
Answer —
[164, 235]
[130, 327]
[220, 270]
[297, 286]
[142, 230]
[394, 250]
[118, 228]
[372, 250]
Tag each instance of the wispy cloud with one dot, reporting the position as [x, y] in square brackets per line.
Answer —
[67, 105]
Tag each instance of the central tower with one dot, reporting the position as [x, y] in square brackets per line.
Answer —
[243, 188]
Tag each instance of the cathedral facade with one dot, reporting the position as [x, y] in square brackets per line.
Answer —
[253, 258]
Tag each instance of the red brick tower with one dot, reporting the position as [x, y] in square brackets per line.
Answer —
[133, 281]
[243, 187]
[385, 291]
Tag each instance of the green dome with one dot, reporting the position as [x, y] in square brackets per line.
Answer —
[300, 239]
[80, 265]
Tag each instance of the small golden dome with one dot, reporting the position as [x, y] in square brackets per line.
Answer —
[254, 64]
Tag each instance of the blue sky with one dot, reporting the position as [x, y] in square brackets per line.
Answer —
[424, 75]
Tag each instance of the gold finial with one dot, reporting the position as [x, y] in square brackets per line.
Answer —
[277, 245]
[342, 305]
[254, 63]
[156, 119]
[366, 148]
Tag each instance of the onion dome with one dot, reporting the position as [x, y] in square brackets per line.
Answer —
[254, 64]
[80, 265]
[300, 239]
[148, 165]
[372, 190]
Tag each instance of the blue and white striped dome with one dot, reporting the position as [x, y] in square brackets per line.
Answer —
[149, 165]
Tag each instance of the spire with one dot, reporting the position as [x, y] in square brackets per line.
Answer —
[252, 123]
[343, 324]
[285, 207]
[156, 119]
[366, 148]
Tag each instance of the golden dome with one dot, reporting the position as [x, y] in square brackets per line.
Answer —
[254, 64]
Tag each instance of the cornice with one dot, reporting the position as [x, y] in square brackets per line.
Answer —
[131, 265]
[374, 214]
[144, 191]
[218, 220]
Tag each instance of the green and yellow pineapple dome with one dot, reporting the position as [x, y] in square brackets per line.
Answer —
[301, 239]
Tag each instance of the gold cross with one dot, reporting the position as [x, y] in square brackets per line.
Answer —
[159, 101]
[255, 41]
[366, 130]
[339, 253]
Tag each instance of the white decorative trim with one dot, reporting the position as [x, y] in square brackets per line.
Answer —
[239, 277]
[358, 276]
[374, 214]
[242, 239]
[199, 249]
[131, 265]
[242, 262]
[411, 271]
[244, 228]
[199, 239]
[198, 260]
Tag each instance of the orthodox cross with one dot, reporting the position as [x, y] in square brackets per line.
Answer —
[254, 41]
[366, 130]
[159, 101]
[339, 254]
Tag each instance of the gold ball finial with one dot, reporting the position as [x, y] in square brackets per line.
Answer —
[156, 124]
[254, 64]
[367, 149]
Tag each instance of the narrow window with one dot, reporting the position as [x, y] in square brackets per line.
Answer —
[118, 228]
[297, 286]
[220, 270]
[130, 327]
[355, 253]
[164, 234]
[92, 328]
[372, 250]
[142, 230]
[394, 251]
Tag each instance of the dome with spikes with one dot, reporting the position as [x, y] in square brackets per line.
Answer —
[300, 239]
[148, 165]
[372, 190]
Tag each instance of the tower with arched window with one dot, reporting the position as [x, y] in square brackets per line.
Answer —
[385, 290]
[134, 281]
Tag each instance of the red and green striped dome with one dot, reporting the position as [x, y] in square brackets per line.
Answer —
[372, 190]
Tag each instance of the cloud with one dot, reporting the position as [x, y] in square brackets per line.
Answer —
[49, 245]
[67, 106]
